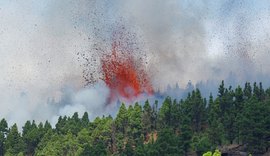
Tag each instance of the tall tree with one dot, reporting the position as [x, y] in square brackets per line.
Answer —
[247, 91]
[121, 119]
[121, 124]
[165, 113]
[175, 115]
[154, 115]
[75, 124]
[239, 106]
[215, 126]
[255, 125]
[85, 120]
[135, 125]
[31, 137]
[221, 89]
[230, 116]
[14, 143]
[3, 133]
[185, 134]
[146, 118]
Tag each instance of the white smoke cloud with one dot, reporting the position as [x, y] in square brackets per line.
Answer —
[184, 40]
[38, 46]
[175, 35]
[203, 40]
[92, 100]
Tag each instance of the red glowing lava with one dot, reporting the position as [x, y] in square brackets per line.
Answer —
[125, 76]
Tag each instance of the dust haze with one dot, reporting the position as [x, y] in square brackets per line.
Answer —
[41, 75]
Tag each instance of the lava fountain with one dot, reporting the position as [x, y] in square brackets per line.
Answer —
[126, 77]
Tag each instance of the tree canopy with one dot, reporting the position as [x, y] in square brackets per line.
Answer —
[173, 127]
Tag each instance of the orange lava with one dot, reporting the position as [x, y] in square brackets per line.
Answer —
[125, 77]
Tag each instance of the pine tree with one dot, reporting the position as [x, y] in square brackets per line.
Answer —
[215, 127]
[146, 118]
[47, 126]
[185, 134]
[239, 106]
[121, 124]
[230, 116]
[85, 120]
[3, 133]
[255, 125]
[135, 125]
[247, 91]
[121, 119]
[165, 114]
[31, 137]
[14, 143]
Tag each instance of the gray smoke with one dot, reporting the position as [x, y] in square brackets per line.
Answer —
[203, 42]
[175, 37]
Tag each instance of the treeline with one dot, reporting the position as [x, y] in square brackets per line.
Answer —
[192, 125]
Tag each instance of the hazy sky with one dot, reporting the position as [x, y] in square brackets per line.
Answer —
[39, 39]
[196, 40]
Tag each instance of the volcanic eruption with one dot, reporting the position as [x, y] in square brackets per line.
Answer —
[123, 74]
[121, 64]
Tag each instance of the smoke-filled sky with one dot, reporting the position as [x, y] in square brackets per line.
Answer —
[198, 41]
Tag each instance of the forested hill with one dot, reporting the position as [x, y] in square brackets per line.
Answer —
[238, 117]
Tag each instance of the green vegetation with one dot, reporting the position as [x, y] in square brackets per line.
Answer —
[192, 125]
[209, 153]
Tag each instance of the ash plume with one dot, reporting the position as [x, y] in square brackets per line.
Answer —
[46, 46]
[203, 41]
